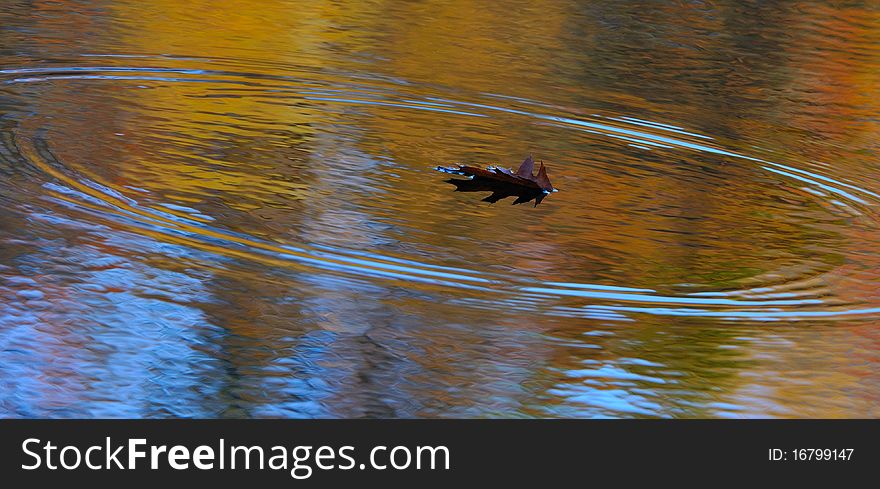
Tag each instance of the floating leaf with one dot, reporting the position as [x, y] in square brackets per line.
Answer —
[502, 182]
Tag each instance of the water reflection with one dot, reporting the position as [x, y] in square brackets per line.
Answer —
[242, 219]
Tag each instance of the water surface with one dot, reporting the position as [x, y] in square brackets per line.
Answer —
[215, 209]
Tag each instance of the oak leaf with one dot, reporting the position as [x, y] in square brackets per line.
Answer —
[502, 182]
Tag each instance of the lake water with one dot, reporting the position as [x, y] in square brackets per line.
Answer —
[219, 209]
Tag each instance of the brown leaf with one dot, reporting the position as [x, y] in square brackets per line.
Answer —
[502, 182]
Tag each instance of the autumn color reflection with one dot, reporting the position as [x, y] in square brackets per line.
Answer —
[223, 209]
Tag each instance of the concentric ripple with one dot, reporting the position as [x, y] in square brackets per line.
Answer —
[194, 176]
